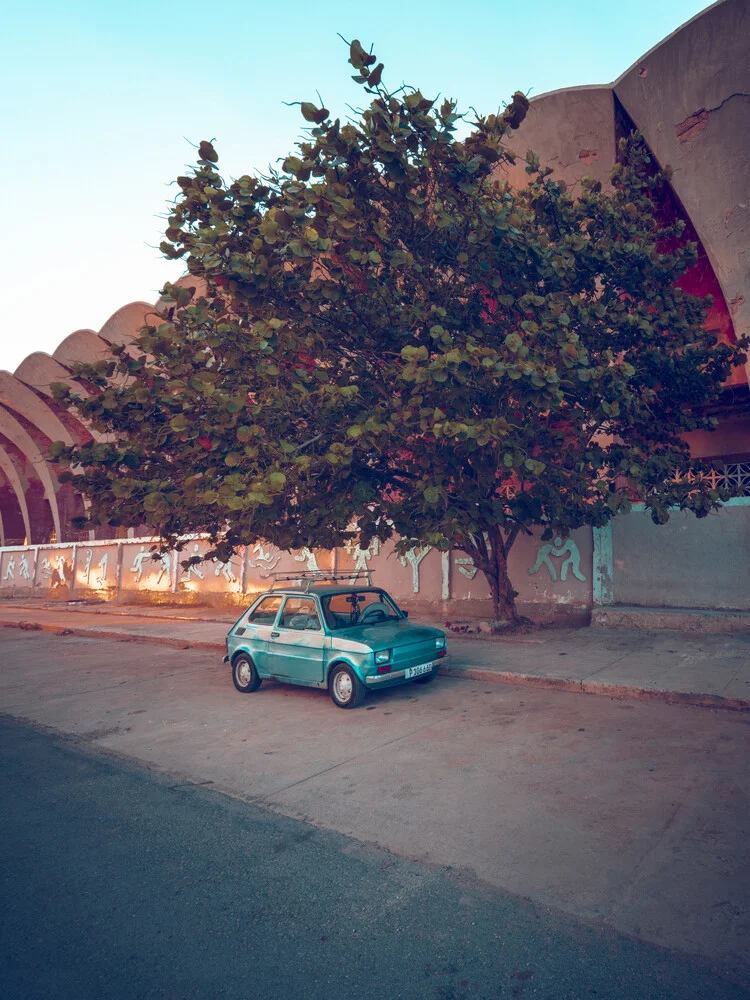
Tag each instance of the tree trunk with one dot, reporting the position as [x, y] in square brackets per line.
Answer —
[503, 594]
[492, 560]
[503, 597]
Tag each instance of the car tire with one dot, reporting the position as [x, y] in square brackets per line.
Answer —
[244, 674]
[345, 688]
[426, 678]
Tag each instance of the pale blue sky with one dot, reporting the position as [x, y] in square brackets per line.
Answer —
[97, 101]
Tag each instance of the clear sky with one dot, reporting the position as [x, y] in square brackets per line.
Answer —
[99, 101]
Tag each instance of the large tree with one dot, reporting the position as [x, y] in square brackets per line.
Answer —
[383, 333]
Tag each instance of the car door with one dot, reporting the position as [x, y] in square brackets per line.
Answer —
[259, 625]
[297, 645]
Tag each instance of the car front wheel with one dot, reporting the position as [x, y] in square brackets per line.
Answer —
[244, 674]
[345, 688]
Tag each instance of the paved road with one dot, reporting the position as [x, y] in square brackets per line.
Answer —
[120, 883]
[628, 815]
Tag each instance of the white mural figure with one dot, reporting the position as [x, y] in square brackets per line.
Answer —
[360, 556]
[415, 557]
[102, 575]
[23, 567]
[60, 564]
[47, 569]
[309, 556]
[265, 561]
[466, 567]
[85, 576]
[138, 560]
[556, 548]
[225, 569]
[165, 562]
[193, 567]
[10, 569]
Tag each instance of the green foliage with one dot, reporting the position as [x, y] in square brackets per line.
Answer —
[384, 331]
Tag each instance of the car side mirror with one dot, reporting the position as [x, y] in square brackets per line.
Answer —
[405, 614]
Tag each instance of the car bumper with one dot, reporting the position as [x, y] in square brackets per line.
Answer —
[396, 676]
[226, 659]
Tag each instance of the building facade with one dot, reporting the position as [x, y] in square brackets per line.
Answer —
[690, 99]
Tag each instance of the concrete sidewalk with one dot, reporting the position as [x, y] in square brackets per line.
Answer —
[704, 669]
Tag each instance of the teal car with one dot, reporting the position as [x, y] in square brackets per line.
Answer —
[346, 639]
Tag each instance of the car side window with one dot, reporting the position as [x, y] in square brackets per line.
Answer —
[265, 612]
[300, 614]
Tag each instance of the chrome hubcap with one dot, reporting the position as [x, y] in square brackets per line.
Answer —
[343, 686]
[244, 674]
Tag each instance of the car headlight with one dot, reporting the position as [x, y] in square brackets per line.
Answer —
[383, 655]
[440, 643]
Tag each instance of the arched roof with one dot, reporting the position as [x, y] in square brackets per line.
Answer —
[30, 422]
[690, 99]
[688, 96]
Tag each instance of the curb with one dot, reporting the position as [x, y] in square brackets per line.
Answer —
[99, 633]
[619, 691]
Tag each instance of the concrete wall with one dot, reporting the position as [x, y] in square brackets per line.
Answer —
[552, 579]
[686, 563]
[572, 131]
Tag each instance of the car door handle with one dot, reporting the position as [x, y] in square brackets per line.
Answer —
[275, 635]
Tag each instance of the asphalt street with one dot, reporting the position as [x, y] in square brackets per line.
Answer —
[118, 882]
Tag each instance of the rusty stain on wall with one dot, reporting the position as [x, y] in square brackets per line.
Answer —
[735, 303]
[695, 123]
[692, 125]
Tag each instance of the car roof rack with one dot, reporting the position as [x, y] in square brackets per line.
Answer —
[309, 577]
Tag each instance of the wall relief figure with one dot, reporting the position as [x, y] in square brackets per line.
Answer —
[86, 572]
[414, 557]
[556, 549]
[138, 560]
[360, 556]
[194, 568]
[264, 560]
[225, 569]
[466, 567]
[307, 556]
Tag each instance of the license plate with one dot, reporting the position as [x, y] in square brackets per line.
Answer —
[423, 668]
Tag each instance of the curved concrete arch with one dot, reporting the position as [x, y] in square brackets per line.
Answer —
[123, 325]
[40, 370]
[18, 436]
[2, 530]
[83, 345]
[16, 396]
[184, 281]
[690, 97]
[572, 130]
[11, 474]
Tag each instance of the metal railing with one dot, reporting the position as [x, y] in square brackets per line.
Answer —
[734, 476]
[310, 577]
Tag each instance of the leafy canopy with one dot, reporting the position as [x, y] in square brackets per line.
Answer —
[384, 332]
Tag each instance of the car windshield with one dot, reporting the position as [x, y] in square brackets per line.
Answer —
[359, 607]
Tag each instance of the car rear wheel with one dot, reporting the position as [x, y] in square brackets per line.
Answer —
[345, 688]
[244, 674]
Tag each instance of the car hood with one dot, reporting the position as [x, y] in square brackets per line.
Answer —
[386, 635]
